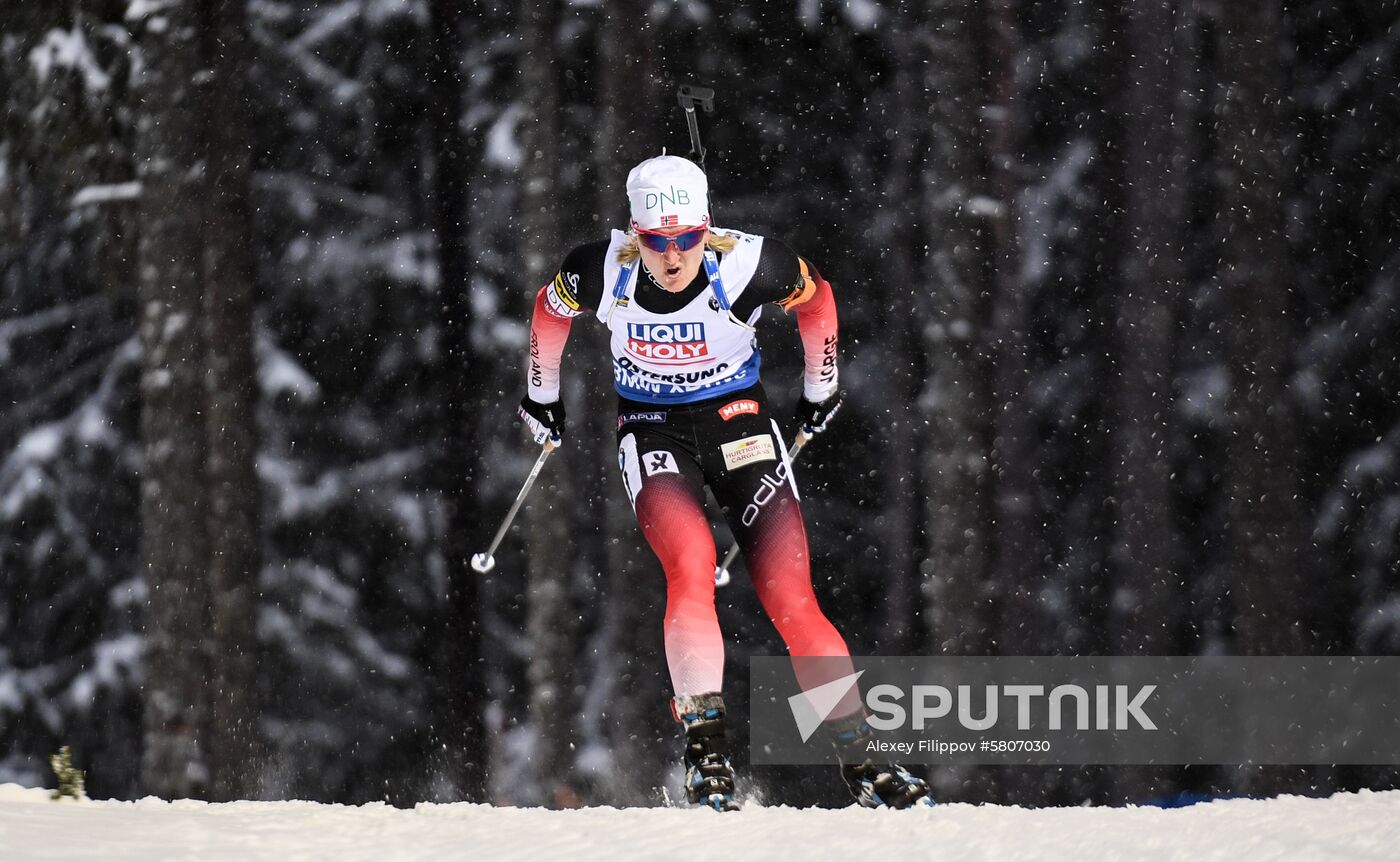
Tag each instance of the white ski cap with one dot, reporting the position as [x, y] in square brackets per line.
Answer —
[666, 192]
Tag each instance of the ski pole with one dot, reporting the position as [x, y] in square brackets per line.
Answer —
[486, 560]
[722, 570]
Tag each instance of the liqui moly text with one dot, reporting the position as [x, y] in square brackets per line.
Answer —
[668, 343]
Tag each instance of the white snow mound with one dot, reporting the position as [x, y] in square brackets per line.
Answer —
[1363, 825]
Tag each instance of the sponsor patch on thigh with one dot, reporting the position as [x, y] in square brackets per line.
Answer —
[629, 418]
[749, 450]
[659, 461]
[736, 408]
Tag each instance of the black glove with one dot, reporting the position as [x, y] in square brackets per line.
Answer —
[543, 421]
[813, 416]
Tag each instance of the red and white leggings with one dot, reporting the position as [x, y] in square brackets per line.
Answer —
[667, 456]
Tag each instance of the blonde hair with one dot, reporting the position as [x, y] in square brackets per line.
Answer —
[630, 251]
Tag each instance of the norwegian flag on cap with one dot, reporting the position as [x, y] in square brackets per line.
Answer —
[670, 220]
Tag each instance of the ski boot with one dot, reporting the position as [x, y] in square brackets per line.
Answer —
[709, 779]
[874, 786]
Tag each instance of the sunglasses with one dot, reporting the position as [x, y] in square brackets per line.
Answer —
[659, 242]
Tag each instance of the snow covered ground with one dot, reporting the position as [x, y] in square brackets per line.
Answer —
[1362, 826]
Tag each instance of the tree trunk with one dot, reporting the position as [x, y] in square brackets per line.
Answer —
[234, 537]
[644, 736]
[1147, 594]
[550, 623]
[1146, 602]
[1266, 521]
[174, 549]
[455, 660]
[1265, 514]
[901, 620]
[1017, 563]
[955, 403]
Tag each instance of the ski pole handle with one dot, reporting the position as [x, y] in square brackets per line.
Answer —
[722, 576]
[486, 560]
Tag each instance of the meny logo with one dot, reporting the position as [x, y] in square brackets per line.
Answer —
[668, 343]
[736, 408]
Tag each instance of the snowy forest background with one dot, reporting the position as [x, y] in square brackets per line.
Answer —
[1118, 286]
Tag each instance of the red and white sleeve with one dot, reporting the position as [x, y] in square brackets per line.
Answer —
[549, 330]
[815, 305]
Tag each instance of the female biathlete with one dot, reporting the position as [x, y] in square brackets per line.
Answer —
[681, 298]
